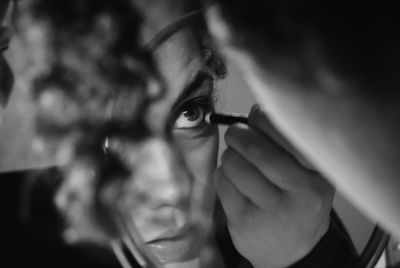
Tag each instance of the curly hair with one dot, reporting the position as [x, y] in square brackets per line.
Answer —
[91, 80]
[83, 57]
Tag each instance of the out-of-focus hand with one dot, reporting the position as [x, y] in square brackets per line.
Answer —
[277, 209]
[340, 112]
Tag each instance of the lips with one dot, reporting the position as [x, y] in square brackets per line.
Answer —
[175, 246]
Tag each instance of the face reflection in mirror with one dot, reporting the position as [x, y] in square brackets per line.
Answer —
[174, 218]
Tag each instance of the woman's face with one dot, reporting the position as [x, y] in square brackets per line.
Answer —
[176, 218]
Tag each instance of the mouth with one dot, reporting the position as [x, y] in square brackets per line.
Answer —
[174, 246]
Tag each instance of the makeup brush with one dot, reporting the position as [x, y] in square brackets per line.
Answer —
[225, 119]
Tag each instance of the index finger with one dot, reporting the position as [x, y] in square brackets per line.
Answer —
[273, 161]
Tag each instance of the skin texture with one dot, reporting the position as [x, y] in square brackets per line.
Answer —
[277, 208]
[348, 128]
[179, 61]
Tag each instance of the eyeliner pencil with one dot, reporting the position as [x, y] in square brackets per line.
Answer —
[225, 119]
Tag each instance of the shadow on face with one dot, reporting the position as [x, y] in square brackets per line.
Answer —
[176, 204]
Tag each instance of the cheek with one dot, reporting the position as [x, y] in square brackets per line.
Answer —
[201, 158]
[201, 155]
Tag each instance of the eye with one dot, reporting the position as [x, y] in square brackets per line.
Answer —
[191, 115]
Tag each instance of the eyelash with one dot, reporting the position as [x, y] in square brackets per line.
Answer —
[202, 101]
[205, 103]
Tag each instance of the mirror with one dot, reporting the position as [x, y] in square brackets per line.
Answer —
[121, 176]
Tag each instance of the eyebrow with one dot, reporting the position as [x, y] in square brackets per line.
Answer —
[188, 90]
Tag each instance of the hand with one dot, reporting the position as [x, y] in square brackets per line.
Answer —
[341, 113]
[277, 209]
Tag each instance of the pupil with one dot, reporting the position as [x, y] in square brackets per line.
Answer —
[191, 114]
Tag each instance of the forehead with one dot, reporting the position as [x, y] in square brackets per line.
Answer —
[178, 60]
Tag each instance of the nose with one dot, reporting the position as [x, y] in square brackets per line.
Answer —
[159, 176]
[158, 194]
[161, 172]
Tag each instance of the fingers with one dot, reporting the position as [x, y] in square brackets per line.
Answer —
[233, 202]
[248, 180]
[272, 161]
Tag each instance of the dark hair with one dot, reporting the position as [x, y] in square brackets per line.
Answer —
[211, 54]
[357, 40]
[81, 57]
[84, 54]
